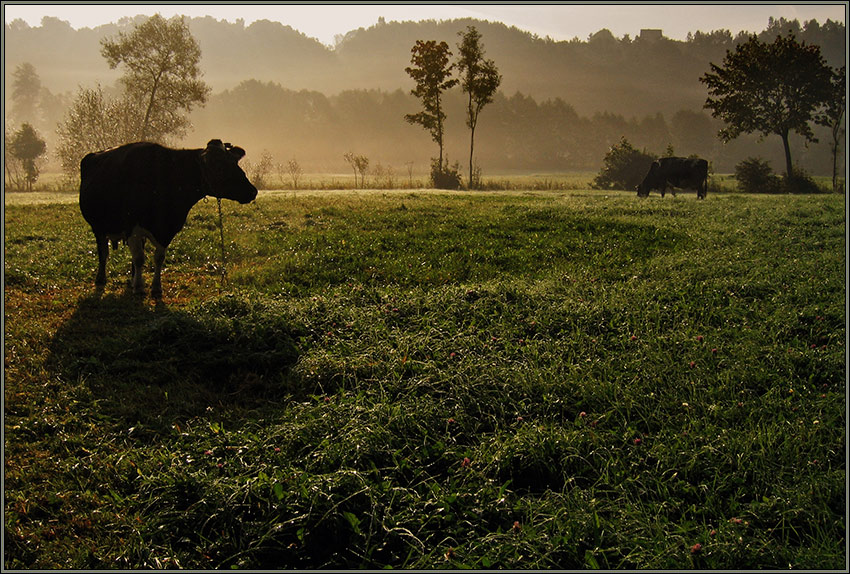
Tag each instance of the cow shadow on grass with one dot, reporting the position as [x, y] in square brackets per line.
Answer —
[149, 365]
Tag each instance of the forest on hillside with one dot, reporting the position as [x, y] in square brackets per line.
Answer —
[560, 106]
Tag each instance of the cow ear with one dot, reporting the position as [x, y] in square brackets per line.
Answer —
[237, 152]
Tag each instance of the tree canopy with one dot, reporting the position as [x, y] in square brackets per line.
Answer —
[26, 89]
[162, 74]
[769, 88]
[432, 71]
[26, 146]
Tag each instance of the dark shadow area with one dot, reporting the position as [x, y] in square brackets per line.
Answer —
[149, 366]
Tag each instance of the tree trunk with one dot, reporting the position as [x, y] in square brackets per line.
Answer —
[471, 150]
[835, 166]
[789, 168]
[440, 133]
[148, 111]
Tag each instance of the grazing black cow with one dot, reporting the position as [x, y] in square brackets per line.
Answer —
[143, 190]
[684, 173]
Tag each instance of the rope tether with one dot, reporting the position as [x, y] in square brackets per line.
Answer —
[221, 236]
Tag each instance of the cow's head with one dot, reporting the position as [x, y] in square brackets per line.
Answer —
[220, 164]
[649, 181]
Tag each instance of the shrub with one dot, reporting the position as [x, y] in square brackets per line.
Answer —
[755, 175]
[624, 167]
[445, 177]
[259, 173]
[800, 182]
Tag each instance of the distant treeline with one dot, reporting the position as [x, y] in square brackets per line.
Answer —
[560, 106]
[515, 132]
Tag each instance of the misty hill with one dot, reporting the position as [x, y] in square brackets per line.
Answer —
[560, 105]
[602, 74]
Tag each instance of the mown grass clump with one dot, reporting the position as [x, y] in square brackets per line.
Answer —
[420, 380]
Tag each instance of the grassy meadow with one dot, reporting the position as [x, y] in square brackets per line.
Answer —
[417, 379]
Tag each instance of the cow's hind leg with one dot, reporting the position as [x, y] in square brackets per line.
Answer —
[137, 252]
[158, 260]
[102, 256]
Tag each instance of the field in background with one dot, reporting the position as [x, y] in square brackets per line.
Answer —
[417, 379]
[56, 183]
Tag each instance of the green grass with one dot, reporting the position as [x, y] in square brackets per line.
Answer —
[416, 379]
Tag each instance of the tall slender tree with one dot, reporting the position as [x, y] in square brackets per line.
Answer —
[479, 79]
[833, 117]
[26, 89]
[432, 71]
[769, 88]
[162, 74]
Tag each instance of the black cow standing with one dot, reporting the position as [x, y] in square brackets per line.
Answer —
[143, 190]
[684, 173]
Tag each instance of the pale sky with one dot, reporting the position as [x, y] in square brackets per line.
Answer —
[559, 21]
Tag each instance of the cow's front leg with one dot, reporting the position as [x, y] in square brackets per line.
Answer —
[158, 260]
[102, 256]
[137, 252]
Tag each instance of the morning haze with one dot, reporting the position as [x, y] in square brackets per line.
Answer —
[560, 106]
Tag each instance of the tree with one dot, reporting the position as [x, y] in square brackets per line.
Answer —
[26, 146]
[833, 117]
[479, 79]
[13, 171]
[358, 163]
[769, 88]
[350, 159]
[432, 73]
[295, 172]
[26, 89]
[361, 162]
[259, 172]
[94, 122]
[162, 75]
